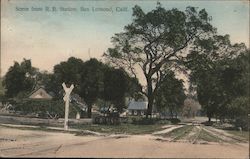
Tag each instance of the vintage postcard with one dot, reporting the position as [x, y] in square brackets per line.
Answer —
[125, 78]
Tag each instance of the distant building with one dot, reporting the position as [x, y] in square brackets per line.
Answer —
[75, 98]
[40, 93]
[138, 108]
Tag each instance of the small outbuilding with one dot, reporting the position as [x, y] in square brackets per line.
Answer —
[137, 108]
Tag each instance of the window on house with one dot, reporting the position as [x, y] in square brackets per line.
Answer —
[135, 112]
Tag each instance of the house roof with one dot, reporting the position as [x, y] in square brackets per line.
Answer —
[75, 98]
[40, 93]
[137, 105]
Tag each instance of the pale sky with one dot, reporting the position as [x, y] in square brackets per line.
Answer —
[50, 37]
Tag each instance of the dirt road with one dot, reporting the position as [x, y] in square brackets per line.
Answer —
[27, 143]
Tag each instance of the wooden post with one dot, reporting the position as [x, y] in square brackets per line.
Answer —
[66, 99]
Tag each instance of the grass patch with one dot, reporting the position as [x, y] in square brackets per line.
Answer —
[243, 134]
[121, 129]
[124, 128]
[206, 136]
[179, 132]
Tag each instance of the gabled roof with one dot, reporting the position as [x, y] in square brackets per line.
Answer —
[137, 105]
[40, 93]
[75, 98]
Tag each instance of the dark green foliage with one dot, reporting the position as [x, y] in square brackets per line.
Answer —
[150, 121]
[220, 75]
[175, 121]
[67, 71]
[118, 85]
[144, 121]
[43, 107]
[133, 88]
[114, 82]
[238, 109]
[2, 89]
[170, 95]
[19, 78]
[92, 79]
[91, 83]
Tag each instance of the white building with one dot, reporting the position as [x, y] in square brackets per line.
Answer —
[138, 108]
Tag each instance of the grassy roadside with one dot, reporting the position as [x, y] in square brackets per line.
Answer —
[206, 136]
[243, 134]
[179, 133]
[122, 128]
[108, 129]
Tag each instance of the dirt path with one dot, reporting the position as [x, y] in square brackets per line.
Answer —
[193, 135]
[197, 134]
[29, 143]
[224, 135]
[168, 128]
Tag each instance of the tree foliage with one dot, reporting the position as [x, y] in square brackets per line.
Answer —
[219, 72]
[93, 80]
[2, 89]
[91, 83]
[191, 107]
[68, 72]
[155, 41]
[170, 95]
[115, 87]
[19, 78]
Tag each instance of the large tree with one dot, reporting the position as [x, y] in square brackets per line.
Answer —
[218, 73]
[118, 85]
[155, 41]
[170, 95]
[191, 107]
[91, 83]
[67, 71]
[115, 87]
[20, 78]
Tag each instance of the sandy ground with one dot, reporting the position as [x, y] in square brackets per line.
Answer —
[28, 143]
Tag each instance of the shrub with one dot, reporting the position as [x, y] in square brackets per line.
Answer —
[241, 122]
[238, 111]
[174, 120]
[162, 121]
[208, 123]
[43, 107]
[149, 121]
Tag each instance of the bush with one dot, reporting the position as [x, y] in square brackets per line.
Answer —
[174, 120]
[208, 123]
[143, 121]
[163, 122]
[149, 121]
[241, 122]
[43, 107]
[238, 111]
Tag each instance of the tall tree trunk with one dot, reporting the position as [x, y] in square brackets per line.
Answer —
[150, 97]
[89, 112]
[150, 107]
